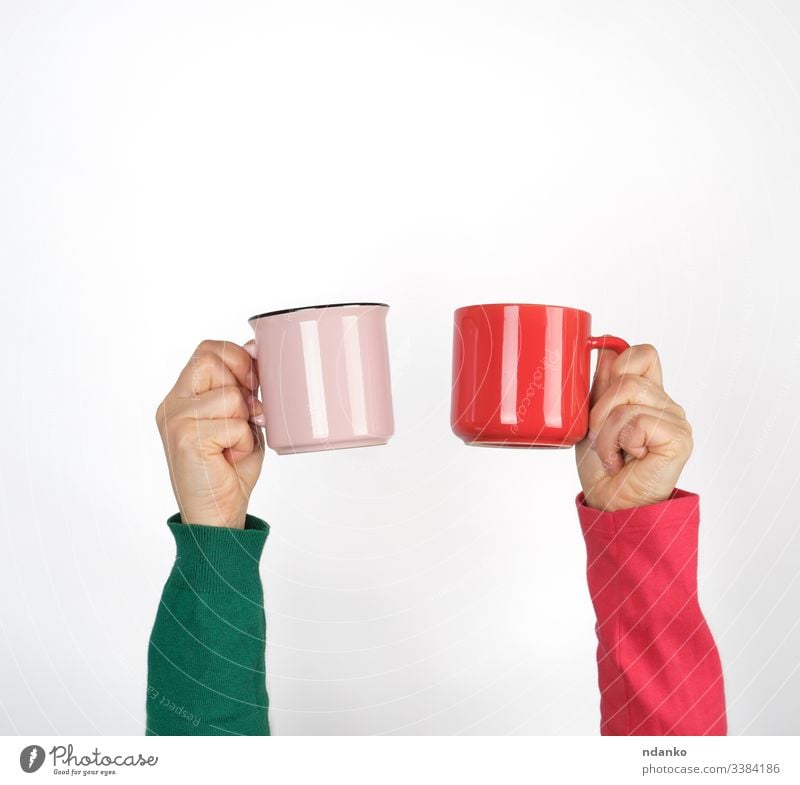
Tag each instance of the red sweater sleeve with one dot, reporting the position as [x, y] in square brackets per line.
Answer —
[658, 666]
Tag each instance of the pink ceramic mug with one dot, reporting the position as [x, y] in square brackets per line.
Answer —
[324, 373]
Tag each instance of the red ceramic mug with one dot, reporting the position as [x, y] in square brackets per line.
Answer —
[521, 374]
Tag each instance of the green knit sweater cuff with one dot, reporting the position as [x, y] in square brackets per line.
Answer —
[218, 559]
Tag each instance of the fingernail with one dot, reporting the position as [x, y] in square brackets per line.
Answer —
[591, 437]
[259, 419]
[250, 348]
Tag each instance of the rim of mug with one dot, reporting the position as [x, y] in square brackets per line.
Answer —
[523, 305]
[311, 308]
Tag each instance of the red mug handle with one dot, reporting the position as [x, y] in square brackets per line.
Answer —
[608, 342]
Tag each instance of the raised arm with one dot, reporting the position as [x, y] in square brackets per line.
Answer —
[206, 671]
[659, 669]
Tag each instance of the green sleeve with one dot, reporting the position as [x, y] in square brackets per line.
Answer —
[205, 663]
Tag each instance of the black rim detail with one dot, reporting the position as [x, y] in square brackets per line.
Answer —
[308, 308]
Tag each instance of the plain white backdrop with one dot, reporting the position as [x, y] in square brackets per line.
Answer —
[168, 169]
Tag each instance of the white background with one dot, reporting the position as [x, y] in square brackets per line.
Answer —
[168, 169]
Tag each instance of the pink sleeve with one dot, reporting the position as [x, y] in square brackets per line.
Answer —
[658, 666]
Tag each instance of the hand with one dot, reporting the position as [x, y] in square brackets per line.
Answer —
[639, 439]
[213, 451]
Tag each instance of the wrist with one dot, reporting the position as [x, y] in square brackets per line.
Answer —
[217, 517]
[605, 503]
[677, 500]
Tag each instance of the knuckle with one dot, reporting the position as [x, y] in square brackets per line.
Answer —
[648, 351]
[206, 353]
[206, 357]
[631, 423]
[232, 400]
[185, 438]
[632, 386]
[624, 414]
[167, 415]
[681, 434]
[161, 413]
[241, 431]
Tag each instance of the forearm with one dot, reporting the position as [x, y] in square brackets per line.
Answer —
[658, 666]
[206, 665]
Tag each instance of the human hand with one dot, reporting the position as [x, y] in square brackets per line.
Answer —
[213, 451]
[639, 439]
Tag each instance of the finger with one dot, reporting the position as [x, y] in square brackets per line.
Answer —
[259, 443]
[221, 403]
[637, 431]
[653, 434]
[234, 437]
[640, 360]
[631, 389]
[250, 348]
[602, 374]
[216, 364]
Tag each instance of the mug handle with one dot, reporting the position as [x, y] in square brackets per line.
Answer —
[608, 342]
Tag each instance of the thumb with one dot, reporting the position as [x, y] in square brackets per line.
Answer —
[602, 373]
